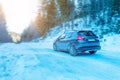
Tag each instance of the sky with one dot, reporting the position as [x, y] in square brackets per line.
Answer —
[19, 13]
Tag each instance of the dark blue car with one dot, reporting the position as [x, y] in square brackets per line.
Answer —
[76, 42]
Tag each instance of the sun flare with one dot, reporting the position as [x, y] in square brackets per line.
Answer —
[19, 13]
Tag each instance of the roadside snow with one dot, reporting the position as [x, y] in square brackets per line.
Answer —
[38, 61]
[111, 43]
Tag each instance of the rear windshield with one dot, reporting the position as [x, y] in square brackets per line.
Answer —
[86, 33]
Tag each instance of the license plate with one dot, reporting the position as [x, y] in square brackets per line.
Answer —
[91, 39]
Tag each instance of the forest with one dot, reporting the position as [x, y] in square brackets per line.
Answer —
[102, 16]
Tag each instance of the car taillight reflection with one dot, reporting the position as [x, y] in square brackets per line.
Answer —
[80, 38]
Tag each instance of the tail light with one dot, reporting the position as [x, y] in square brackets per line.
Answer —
[80, 38]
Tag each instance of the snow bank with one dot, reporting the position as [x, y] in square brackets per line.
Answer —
[111, 42]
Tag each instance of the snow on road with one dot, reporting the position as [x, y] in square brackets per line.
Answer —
[38, 61]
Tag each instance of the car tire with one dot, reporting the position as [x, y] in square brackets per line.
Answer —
[72, 51]
[92, 52]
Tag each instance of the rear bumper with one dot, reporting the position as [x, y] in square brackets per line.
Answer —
[90, 48]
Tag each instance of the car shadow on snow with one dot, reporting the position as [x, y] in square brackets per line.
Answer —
[79, 54]
[85, 54]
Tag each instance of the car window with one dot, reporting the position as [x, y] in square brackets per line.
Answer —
[86, 33]
[68, 35]
[74, 35]
[62, 36]
[65, 36]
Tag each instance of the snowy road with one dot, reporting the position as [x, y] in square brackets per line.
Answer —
[38, 61]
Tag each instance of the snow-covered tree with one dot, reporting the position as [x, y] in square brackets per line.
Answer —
[102, 16]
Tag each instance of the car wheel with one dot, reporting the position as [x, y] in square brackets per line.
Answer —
[72, 51]
[55, 47]
[92, 52]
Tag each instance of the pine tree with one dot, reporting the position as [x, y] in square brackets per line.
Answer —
[46, 17]
[116, 6]
[66, 7]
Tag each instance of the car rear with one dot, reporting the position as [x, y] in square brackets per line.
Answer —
[87, 41]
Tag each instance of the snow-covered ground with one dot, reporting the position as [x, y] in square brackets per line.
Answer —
[38, 61]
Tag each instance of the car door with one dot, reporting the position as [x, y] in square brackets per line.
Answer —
[65, 42]
[59, 42]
